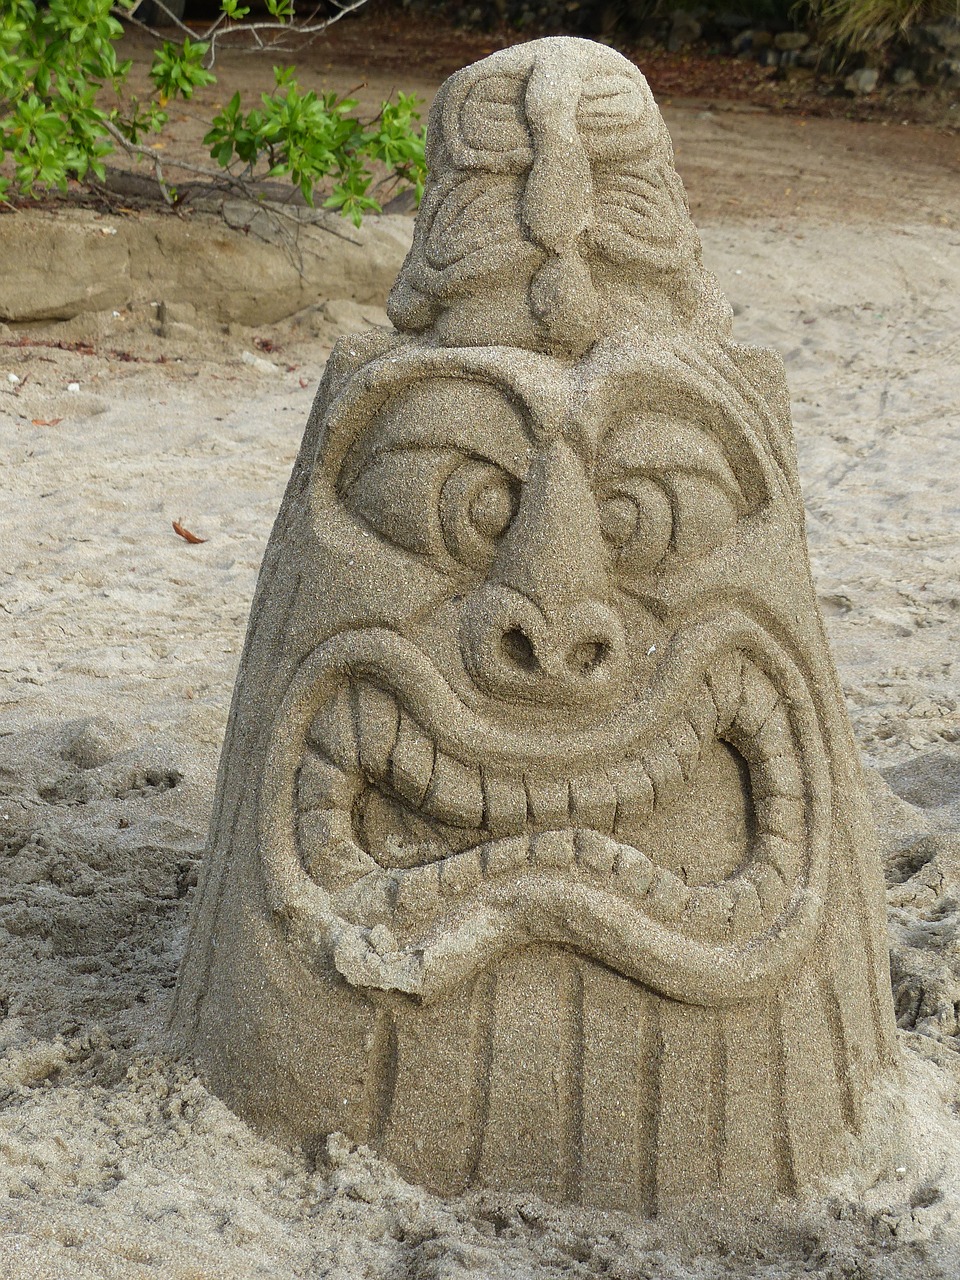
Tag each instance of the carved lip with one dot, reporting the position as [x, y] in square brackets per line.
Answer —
[544, 861]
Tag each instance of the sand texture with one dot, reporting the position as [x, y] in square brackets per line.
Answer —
[120, 642]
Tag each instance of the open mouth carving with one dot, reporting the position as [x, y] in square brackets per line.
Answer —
[555, 848]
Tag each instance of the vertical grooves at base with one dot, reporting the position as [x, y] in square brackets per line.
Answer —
[653, 1091]
[787, 1179]
[876, 972]
[572, 1082]
[719, 1089]
[481, 1052]
[840, 1055]
[381, 1074]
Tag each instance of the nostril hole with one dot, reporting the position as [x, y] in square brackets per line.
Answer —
[516, 646]
[585, 658]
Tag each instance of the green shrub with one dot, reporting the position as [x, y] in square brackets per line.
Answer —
[874, 24]
[64, 108]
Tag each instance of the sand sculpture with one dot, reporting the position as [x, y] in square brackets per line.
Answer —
[540, 857]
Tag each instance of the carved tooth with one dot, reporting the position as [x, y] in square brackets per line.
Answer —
[775, 738]
[634, 871]
[330, 854]
[667, 895]
[552, 848]
[781, 855]
[702, 714]
[460, 873]
[779, 777]
[548, 801]
[663, 768]
[708, 909]
[634, 797]
[596, 851]
[333, 733]
[418, 890]
[746, 914]
[503, 856]
[412, 761]
[378, 720]
[504, 804]
[685, 745]
[758, 699]
[593, 802]
[321, 785]
[726, 688]
[770, 888]
[454, 794]
[781, 816]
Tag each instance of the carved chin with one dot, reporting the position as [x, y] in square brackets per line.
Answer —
[684, 855]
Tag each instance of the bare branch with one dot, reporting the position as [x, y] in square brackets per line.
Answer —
[121, 12]
[307, 28]
[141, 153]
[221, 30]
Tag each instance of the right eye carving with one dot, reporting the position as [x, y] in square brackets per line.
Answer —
[477, 504]
[437, 502]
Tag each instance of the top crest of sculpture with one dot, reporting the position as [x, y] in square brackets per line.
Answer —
[540, 857]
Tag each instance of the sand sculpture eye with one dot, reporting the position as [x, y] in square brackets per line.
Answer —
[682, 512]
[436, 501]
[637, 519]
[477, 504]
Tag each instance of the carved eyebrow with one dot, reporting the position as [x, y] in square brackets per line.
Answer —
[655, 442]
[475, 417]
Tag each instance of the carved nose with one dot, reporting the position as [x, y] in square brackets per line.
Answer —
[515, 652]
[539, 629]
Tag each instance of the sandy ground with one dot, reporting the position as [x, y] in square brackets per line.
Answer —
[119, 646]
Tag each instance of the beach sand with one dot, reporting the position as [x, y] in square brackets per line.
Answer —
[119, 642]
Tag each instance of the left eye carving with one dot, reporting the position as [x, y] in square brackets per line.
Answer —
[680, 513]
[477, 503]
[637, 520]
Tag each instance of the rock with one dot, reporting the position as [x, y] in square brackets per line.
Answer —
[176, 319]
[752, 39]
[945, 35]
[791, 41]
[258, 362]
[769, 57]
[73, 262]
[809, 56]
[862, 82]
[66, 263]
[729, 20]
[684, 29]
[905, 77]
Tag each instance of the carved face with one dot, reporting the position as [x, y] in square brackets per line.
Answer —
[551, 696]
